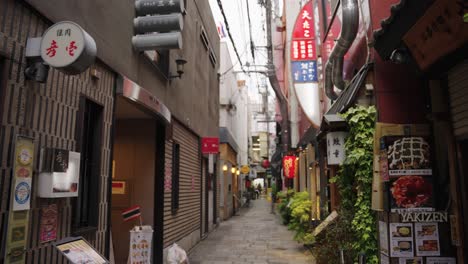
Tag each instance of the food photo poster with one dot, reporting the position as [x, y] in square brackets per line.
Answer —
[427, 239]
[401, 240]
[409, 169]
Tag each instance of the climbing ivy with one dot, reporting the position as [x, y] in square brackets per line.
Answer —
[354, 180]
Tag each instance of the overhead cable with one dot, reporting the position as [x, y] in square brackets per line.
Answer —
[230, 36]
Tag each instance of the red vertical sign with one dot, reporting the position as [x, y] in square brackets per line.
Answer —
[303, 37]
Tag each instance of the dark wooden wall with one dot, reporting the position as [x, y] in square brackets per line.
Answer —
[46, 112]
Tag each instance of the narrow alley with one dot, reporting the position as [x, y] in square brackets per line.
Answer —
[253, 236]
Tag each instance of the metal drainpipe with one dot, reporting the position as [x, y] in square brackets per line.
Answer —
[334, 66]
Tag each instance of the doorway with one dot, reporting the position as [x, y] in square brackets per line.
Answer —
[133, 178]
[463, 164]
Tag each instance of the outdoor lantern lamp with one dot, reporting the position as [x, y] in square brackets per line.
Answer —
[289, 166]
[225, 168]
[237, 172]
[180, 68]
[233, 169]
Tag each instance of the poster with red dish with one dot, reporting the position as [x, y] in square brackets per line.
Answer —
[409, 171]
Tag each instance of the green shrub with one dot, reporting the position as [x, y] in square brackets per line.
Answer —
[283, 206]
[300, 207]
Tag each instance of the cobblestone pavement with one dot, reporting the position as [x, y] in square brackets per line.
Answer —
[254, 236]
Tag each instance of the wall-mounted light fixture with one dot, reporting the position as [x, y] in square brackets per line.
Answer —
[180, 68]
[238, 172]
[225, 167]
[233, 169]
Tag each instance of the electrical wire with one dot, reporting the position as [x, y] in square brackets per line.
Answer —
[230, 36]
[252, 45]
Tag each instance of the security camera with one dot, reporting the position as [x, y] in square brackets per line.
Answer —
[37, 71]
[399, 56]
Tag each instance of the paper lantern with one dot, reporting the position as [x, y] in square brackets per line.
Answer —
[289, 166]
[265, 163]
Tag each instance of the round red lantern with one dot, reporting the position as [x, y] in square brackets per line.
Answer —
[289, 166]
[265, 163]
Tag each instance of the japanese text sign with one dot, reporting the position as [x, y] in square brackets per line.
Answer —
[303, 44]
[336, 147]
[305, 23]
[67, 47]
[62, 44]
[210, 145]
[304, 71]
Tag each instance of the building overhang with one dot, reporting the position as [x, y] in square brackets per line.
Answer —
[225, 137]
[143, 98]
[332, 121]
[429, 35]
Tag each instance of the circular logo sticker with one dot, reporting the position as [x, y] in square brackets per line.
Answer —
[25, 156]
[22, 192]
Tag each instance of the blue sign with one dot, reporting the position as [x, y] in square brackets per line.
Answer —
[304, 71]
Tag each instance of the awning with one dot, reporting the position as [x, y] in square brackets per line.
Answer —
[309, 136]
[403, 16]
[142, 97]
[331, 120]
[225, 136]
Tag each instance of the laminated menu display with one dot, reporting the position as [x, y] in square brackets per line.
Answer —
[78, 251]
[141, 244]
[427, 239]
[401, 240]
[409, 171]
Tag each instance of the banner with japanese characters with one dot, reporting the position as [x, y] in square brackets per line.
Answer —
[303, 59]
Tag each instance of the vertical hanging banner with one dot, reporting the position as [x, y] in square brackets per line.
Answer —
[18, 221]
[304, 64]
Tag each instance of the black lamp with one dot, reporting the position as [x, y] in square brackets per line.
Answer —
[180, 68]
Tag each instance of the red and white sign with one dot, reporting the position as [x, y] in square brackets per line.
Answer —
[62, 44]
[303, 44]
[66, 46]
[210, 145]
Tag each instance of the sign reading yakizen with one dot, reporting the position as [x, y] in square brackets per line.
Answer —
[424, 217]
[67, 47]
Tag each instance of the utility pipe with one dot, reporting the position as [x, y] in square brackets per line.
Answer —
[349, 29]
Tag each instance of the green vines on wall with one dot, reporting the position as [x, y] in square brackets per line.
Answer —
[354, 180]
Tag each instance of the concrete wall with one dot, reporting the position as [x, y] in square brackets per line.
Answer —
[192, 99]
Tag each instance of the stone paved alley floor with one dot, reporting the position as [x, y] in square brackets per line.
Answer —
[254, 236]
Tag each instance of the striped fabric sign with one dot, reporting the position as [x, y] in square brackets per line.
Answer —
[131, 213]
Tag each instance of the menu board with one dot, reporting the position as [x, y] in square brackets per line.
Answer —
[409, 172]
[141, 245]
[401, 240]
[383, 238]
[78, 251]
[427, 239]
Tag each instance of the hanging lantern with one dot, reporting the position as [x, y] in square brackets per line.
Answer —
[289, 166]
[265, 163]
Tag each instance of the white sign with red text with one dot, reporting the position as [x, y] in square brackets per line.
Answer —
[62, 44]
[67, 47]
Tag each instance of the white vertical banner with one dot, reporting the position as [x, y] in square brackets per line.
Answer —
[210, 163]
[141, 244]
[336, 147]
